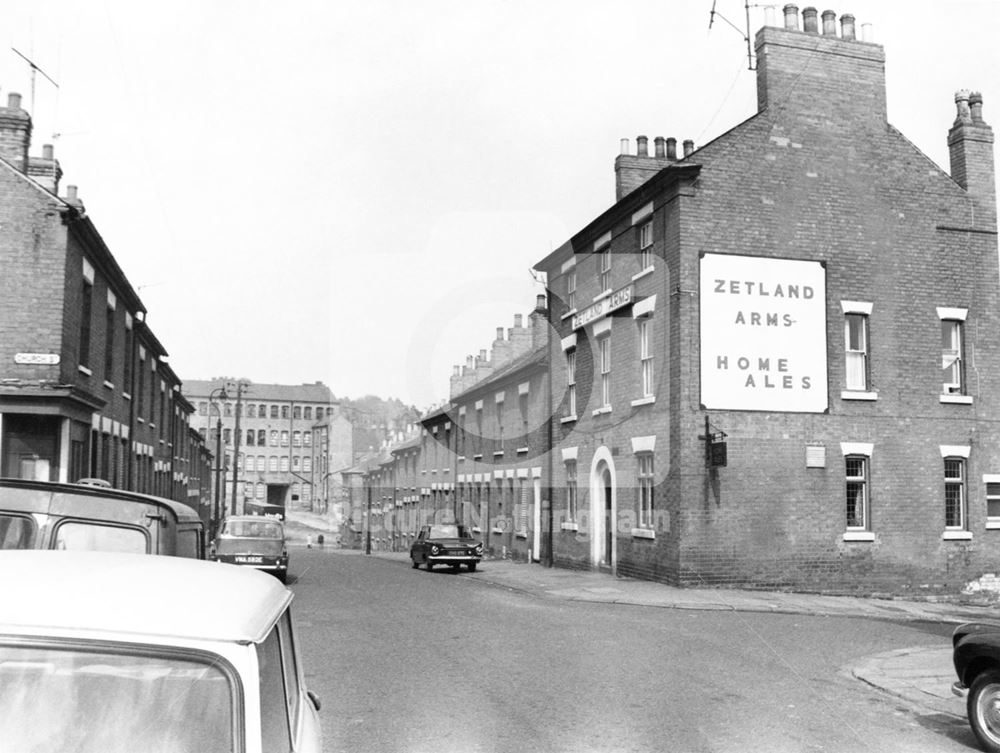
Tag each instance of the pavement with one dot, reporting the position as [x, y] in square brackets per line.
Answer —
[922, 675]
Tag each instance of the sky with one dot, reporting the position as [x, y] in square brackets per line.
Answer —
[356, 192]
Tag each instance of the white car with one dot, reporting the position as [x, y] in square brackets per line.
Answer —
[118, 653]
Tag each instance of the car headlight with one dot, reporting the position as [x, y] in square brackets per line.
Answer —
[435, 549]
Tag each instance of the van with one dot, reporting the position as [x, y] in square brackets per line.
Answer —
[48, 515]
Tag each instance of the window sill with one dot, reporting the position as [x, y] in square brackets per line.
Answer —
[570, 526]
[126, 396]
[643, 533]
[859, 536]
[461, 458]
[643, 273]
[84, 370]
[956, 399]
[498, 454]
[603, 409]
[602, 295]
[109, 385]
[522, 450]
[567, 419]
[496, 530]
[521, 534]
[957, 535]
[568, 314]
[858, 395]
[477, 457]
[643, 401]
[477, 529]
[993, 524]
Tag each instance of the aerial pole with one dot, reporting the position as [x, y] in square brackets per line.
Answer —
[744, 34]
[34, 69]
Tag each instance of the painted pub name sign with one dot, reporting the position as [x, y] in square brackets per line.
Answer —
[600, 309]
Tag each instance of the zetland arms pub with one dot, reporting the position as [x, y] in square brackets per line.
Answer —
[776, 359]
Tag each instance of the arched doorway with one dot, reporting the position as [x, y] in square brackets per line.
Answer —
[603, 510]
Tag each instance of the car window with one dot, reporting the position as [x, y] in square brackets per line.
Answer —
[58, 699]
[253, 529]
[444, 532]
[187, 542]
[275, 732]
[100, 538]
[17, 532]
[289, 666]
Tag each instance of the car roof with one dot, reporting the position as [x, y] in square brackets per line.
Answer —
[135, 596]
[184, 513]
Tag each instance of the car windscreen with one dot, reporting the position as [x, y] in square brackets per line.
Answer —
[17, 532]
[252, 529]
[447, 532]
[90, 537]
[61, 699]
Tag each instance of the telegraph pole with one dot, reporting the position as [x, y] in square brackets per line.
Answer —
[240, 384]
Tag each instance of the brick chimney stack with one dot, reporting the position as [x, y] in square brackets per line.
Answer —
[810, 71]
[15, 133]
[538, 322]
[970, 144]
[45, 169]
[632, 170]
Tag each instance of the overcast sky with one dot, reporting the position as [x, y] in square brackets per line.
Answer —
[356, 192]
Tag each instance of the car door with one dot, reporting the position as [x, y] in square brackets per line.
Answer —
[419, 553]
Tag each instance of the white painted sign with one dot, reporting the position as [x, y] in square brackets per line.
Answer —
[46, 359]
[603, 307]
[763, 334]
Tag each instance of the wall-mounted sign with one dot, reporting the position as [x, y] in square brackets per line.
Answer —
[763, 334]
[603, 307]
[45, 359]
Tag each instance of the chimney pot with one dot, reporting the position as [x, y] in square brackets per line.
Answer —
[47, 151]
[659, 147]
[623, 146]
[14, 101]
[71, 193]
[499, 333]
[768, 15]
[671, 148]
[963, 114]
[829, 23]
[810, 22]
[482, 355]
[867, 33]
[517, 321]
[791, 17]
[540, 302]
[976, 107]
[847, 27]
[641, 146]
[688, 148]
[456, 370]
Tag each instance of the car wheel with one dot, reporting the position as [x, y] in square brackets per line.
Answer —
[282, 575]
[472, 567]
[415, 563]
[984, 709]
[430, 565]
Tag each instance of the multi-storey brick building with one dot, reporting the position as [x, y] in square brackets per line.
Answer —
[478, 459]
[289, 441]
[777, 358]
[85, 387]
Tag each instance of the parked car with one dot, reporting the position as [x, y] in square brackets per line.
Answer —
[113, 653]
[253, 540]
[976, 655]
[89, 516]
[447, 544]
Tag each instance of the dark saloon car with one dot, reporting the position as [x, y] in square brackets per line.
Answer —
[448, 544]
[255, 541]
[976, 654]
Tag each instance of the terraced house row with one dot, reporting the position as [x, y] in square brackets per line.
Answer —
[774, 360]
[86, 388]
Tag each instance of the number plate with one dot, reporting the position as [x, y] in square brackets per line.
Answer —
[247, 560]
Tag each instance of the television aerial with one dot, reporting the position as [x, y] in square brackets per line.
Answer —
[34, 69]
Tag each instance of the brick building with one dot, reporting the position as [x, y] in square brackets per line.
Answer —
[290, 442]
[85, 386]
[777, 358]
[478, 459]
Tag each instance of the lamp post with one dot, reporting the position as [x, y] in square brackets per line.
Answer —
[240, 384]
[218, 457]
